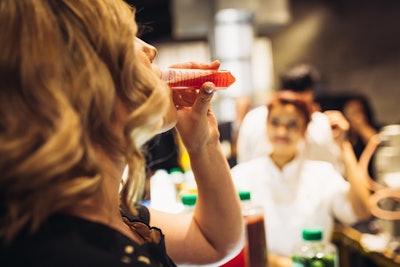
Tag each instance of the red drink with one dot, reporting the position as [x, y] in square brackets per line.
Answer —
[194, 78]
[257, 245]
[254, 254]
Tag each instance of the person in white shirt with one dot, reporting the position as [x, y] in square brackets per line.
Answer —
[301, 78]
[294, 191]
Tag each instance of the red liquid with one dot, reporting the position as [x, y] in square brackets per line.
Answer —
[194, 78]
[257, 245]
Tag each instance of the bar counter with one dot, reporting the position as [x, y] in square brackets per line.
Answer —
[347, 239]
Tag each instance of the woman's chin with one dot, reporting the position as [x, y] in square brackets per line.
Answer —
[282, 146]
[168, 124]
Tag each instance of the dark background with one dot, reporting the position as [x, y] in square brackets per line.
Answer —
[155, 15]
[355, 44]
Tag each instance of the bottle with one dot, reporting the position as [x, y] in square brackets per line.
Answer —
[183, 155]
[177, 178]
[193, 79]
[254, 253]
[255, 226]
[313, 252]
[188, 201]
[162, 192]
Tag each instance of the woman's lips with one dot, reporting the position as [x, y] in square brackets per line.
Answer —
[281, 140]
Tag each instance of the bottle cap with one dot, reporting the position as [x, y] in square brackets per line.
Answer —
[312, 234]
[172, 170]
[244, 195]
[189, 200]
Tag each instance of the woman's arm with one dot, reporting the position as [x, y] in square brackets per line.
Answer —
[359, 192]
[216, 229]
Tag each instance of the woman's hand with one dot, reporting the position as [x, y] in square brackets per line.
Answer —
[340, 126]
[199, 239]
[185, 98]
[196, 125]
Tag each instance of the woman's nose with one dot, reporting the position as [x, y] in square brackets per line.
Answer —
[282, 129]
[150, 51]
[147, 49]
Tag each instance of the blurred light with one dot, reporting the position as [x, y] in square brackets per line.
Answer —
[192, 19]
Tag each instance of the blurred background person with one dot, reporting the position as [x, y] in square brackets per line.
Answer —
[295, 191]
[358, 111]
[301, 78]
[362, 133]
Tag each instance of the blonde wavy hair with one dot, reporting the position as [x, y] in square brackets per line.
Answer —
[62, 65]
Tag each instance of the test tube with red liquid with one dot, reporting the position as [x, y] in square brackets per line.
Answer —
[193, 79]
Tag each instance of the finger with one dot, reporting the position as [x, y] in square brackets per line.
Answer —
[184, 98]
[203, 100]
[215, 64]
[196, 65]
[186, 65]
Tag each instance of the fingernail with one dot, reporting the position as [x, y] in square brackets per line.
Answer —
[209, 89]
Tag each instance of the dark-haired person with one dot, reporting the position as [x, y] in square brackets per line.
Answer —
[363, 128]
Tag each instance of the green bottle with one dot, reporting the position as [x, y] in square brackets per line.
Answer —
[313, 252]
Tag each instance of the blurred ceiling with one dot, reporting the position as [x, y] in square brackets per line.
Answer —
[180, 20]
[156, 18]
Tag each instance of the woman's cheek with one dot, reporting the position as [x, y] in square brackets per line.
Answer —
[171, 116]
[156, 70]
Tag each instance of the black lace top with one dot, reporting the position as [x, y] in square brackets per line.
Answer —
[65, 240]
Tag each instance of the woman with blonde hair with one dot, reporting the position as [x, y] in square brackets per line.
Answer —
[79, 96]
